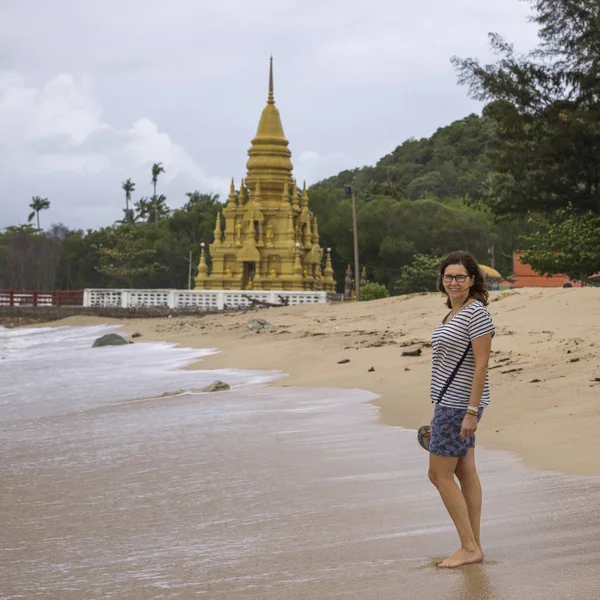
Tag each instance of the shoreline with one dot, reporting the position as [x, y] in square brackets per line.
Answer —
[543, 369]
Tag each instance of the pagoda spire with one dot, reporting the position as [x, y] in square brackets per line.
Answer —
[295, 195]
[257, 196]
[232, 197]
[218, 232]
[304, 196]
[328, 268]
[202, 267]
[290, 232]
[271, 97]
[243, 196]
[202, 275]
[315, 231]
[269, 158]
[285, 198]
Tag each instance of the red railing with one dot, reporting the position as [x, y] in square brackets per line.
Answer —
[39, 298]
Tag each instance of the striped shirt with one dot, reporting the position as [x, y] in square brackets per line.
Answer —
[449, 342]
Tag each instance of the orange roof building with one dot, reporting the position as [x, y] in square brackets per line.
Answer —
[525, 276]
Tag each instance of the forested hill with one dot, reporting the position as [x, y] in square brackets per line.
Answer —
[427, 197]
[450, 163]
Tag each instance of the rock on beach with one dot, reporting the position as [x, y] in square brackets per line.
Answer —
[110, 339]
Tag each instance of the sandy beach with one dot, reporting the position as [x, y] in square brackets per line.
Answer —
[545, 367]
[306, 487]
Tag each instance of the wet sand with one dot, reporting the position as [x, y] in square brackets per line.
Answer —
[271, 493]
[283, 492]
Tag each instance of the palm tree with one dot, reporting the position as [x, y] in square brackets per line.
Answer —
[144, 209]
[128, 186]
[157, 169]
[159, 207]
[197, 197]
[37, 204]
[130, 217]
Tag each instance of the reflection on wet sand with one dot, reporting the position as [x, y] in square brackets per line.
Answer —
[283, 494]
[476, 584]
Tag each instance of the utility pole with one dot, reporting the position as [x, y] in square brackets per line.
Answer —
[350, 189]
[190, 271]
[492, 253]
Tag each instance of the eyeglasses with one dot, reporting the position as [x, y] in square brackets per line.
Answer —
[459, 278]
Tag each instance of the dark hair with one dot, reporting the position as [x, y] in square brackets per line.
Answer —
[478, 290]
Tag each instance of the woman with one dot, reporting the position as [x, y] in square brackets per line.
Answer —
[460, 392]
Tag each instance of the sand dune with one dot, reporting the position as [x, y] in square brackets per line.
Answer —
[545, 367]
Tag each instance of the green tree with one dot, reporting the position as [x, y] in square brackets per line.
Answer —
[29, 258]
[130, 217]
[143, 209]
[23, 228]
[569, 245]
[429, 185]
[159, 207]
[420, 275]
[125, 257]
[38, 204]
[373, 291]
[197, 197]
[392, 232]
[157, 169]
[544, 112]
[128, 186]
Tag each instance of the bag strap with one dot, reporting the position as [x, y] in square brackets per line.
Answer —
[451, 378]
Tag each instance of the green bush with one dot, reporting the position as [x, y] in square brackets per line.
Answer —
[420, 276]
[373, 291]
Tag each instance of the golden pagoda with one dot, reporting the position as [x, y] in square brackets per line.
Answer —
[266, 238]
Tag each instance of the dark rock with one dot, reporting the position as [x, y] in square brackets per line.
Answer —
[136, 335]
[343, 361]
[258, 325]
[416, 352]
[110, 339]
[406, 369]
[535, 381]
[372, 369]
[217, 386]
[171, 393]
[574, 360]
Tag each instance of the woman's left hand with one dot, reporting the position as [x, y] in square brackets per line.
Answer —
[469, 427]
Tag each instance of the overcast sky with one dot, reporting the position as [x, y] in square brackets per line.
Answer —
[93, 92]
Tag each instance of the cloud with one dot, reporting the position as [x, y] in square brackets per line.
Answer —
[57, 131]
[98, 99]
[311, 166]
[61, 108]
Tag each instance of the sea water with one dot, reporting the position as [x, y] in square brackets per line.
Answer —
[50, 371]
[110, 491]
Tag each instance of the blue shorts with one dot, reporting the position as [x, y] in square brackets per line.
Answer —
[445, 432]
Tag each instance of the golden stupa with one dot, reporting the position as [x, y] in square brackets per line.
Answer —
[266, 238]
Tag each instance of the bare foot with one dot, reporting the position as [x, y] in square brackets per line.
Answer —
[462, 557]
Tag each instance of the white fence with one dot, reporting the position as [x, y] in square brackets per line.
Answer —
[200, 299]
